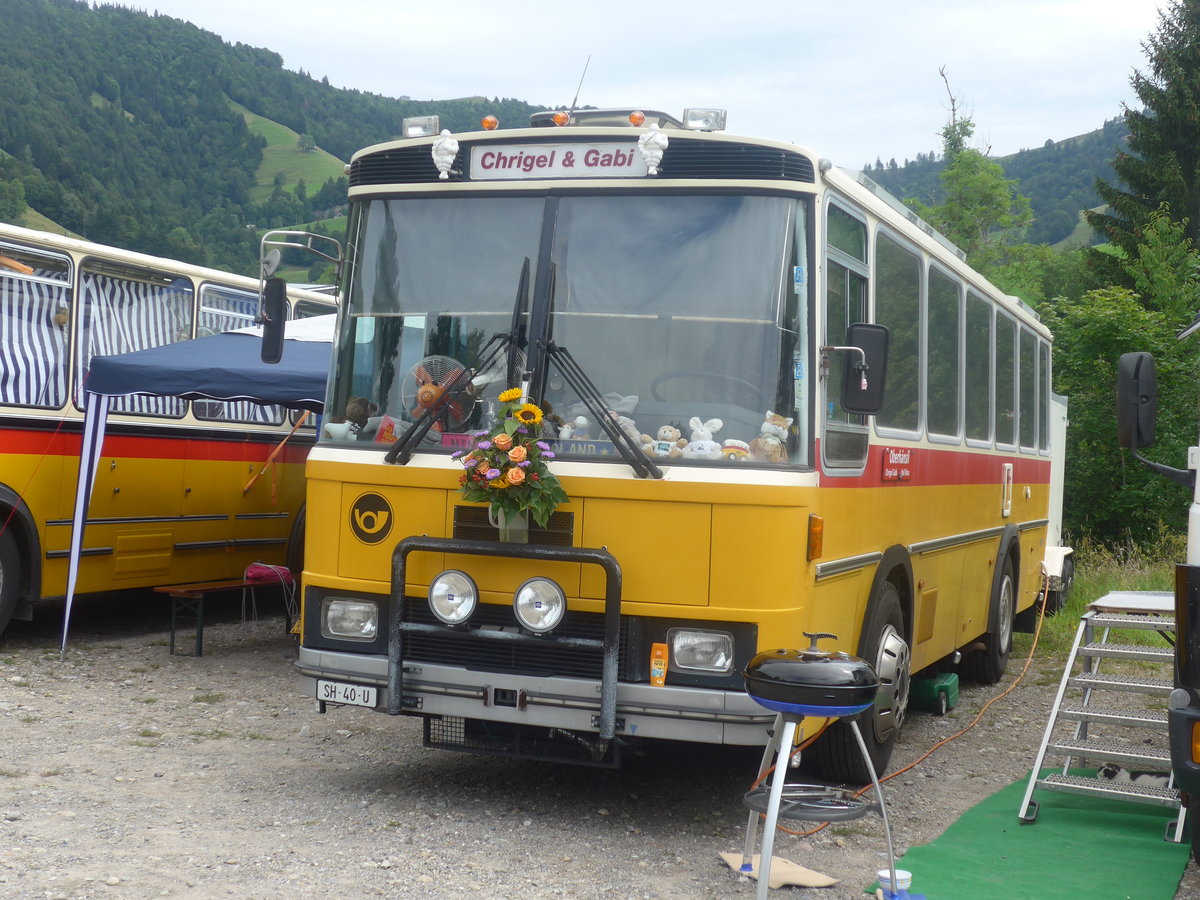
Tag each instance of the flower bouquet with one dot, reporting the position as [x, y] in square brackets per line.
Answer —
[507, 466]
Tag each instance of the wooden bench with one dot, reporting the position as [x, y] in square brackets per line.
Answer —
[187, 603]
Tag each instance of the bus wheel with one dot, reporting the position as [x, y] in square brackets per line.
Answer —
[987, 664]
[10, 577]
[883, 645]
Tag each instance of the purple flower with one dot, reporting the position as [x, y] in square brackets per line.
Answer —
[525, 464]
[456, 454]
[547, 455]
[471, 463]
[484, 445]
[492, 474]
[543, 445]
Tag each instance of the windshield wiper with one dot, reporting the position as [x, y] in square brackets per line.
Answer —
[592, 400]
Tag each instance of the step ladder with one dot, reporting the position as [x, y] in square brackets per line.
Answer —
[1096, 717]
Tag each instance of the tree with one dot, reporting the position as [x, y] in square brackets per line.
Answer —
[306, 143]
[981, 209]
[12, 201]
[1162, 164]
[1108, 495]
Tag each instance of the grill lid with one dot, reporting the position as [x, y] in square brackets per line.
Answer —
[811, 682]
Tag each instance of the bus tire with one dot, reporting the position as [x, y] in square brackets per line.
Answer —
[10, 577]
[883, 645]
[987, 664]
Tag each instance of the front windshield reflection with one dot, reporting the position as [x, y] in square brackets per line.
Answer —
[681, 310]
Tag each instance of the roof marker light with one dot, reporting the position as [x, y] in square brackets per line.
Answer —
[637, 117]
[562, 117]
[704, 119]
[489, 123]
[419, 126]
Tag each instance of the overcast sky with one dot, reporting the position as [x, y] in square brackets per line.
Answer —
[852, 81]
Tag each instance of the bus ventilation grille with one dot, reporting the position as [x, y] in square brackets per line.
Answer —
[405, 165]
[522, 741]
[724, 159]
[471, 524]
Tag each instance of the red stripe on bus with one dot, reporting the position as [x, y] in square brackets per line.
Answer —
[47, 443]
[897, 465]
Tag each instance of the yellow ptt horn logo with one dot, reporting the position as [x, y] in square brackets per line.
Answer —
[371, 518]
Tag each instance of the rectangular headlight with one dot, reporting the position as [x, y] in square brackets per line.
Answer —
[349, 620]
[419, 126]
[698, 651]
[704, 119]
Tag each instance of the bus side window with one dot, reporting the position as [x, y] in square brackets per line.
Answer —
[34, 328]
[844, 434]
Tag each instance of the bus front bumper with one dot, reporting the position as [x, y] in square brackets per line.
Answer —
[674, 713]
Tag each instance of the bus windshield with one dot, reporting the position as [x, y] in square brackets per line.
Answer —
[686, 311]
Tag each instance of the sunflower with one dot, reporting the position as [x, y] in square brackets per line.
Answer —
[510, 395]
[529, 415]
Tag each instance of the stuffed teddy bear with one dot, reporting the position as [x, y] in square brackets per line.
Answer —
[702, 445]
[771, 443]
[668, 442]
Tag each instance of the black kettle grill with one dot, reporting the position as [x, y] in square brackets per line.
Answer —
[795, 684]
[811, 682]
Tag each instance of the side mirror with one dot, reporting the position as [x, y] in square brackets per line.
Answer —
[1137, 400]
[274, 313]
[864, 369]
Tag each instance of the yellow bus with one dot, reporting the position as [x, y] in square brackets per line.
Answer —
[168, 504]
[703, 322]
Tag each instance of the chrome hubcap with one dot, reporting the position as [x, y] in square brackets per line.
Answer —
[1004, 610]
[892, 666]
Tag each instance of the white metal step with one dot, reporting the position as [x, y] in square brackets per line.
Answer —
[1130, 620]
[1145, 756]
[1128, 651]
[1117, 790]
[1133, 683]
[1134, 718]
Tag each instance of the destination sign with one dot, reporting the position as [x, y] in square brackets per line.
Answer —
[499, 162]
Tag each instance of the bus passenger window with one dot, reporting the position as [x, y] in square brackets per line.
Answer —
[979, 368]
[942, 359]
[1006, 381]
[898, 306]
[1029, 392]
[34, 328]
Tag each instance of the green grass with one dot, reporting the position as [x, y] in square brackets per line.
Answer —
[1101, 570]
[282, 155]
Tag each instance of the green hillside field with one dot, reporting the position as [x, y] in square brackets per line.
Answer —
[282, 155]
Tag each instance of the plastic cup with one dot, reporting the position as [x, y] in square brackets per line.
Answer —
[903, 880]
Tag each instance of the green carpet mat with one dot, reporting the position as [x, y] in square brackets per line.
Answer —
[1079, 847]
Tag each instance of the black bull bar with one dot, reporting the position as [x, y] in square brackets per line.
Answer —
[609, 646]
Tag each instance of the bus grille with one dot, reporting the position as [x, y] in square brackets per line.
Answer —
[546, 658]
[471, 524]
[726, 159]
[403, 165]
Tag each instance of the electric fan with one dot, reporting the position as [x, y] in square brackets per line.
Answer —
[425, 384]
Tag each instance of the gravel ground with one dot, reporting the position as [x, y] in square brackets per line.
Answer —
[129, 773]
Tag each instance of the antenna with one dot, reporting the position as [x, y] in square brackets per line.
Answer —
[575, 102]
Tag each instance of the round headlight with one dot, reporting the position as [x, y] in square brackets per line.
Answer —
[452, 596]
[540, 605]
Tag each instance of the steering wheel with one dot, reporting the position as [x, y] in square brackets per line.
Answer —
[752, 390]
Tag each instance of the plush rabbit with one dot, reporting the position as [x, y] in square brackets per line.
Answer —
[702, 445]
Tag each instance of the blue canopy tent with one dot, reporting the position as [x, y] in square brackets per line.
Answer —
[222, 367]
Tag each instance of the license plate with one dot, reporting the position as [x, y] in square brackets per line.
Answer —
[341, 692]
